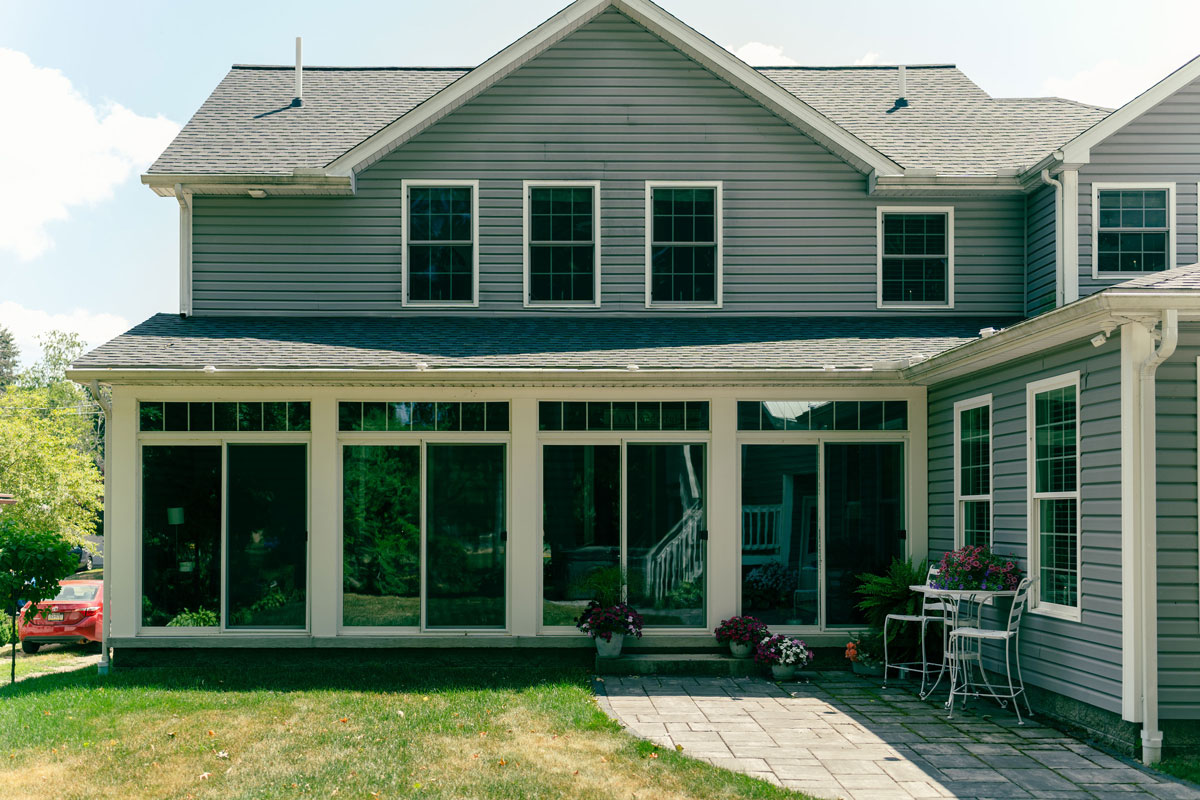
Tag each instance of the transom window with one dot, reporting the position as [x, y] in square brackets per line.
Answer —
[1133, 230]
[824, 415]
[973, 462]
[916, 257]
[563, 254]
[430, 416]
[442, 230]
[554, 415]
[1053, 408]
[223, 417]
[683, 246]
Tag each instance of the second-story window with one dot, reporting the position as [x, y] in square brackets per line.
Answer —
[916, 257]
[683, 244]
[1133, 230]
[562, 244]
[441, 242]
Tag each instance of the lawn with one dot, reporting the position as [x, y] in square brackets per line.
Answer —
[354, 729]
[49, 659]
[1186, 767]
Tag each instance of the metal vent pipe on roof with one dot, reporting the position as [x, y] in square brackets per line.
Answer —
[901, 99]
[298, 100]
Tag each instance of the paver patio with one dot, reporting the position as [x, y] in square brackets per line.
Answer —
[841, 736]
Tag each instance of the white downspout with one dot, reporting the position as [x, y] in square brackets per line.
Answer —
[106, 406]
[1059, 271]
[1148, 630]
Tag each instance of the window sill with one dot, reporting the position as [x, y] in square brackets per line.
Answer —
[661, 306]
[916, 306]
[561, 304]
[1057, 612]
[1124, 276]
[429, 304]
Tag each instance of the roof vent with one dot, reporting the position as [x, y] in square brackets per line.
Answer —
[298, 100]
[901, 98]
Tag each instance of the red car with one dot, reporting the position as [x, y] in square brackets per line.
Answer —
[75, 615]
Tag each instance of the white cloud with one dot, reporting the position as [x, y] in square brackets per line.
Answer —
[1109, 83]
[757, 54]
[63, 152]
[27, 323]
[868, 58]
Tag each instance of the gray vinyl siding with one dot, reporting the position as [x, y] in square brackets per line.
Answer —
[1160, 146]
[1040, 255]
[1178, 570]
[612, 103]
[1081, 660]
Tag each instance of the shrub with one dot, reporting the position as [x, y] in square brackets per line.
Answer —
[685, 595]
[976, 567]
[200, 618]
[603, 621]
[741, 629]
[782, 650]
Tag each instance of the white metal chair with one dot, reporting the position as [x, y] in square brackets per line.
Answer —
[933, 610]
[959, 654]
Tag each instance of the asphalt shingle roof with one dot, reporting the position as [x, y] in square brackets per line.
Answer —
[1168, 280]
[248, 124]
[167, 341]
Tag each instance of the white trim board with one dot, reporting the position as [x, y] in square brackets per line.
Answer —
[981, 401]
[1131, 186]
[718, 233]
[880, 211]
[526, 188]
[407, 184]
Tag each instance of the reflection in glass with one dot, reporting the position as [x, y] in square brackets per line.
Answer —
[268, 535]
[465, 539]
[381, 535]
[181, 535]
[581, 529]
[864, 517]
[666, 533]
[780, 537]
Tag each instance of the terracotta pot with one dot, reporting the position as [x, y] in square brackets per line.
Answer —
[611, 648]
[783, 672]
[741, 649]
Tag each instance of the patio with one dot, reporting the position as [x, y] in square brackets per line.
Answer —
[842, 736]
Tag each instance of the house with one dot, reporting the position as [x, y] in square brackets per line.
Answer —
[457, 348]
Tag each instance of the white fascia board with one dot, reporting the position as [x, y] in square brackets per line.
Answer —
[306, 183]
[702, 50]
[1079, 149]
[946, 185]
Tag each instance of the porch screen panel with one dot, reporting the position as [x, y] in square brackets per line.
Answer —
[581, 529]
[267, 506]
[465, 540]
[864, 518]
[665, 533]
[381, 535]
[181, 535]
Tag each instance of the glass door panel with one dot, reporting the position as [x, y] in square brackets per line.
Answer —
[381, 535]
[465, 533]
[581, 529]
[267, 504]
[780, 534]
[665, 535]
[864, 520]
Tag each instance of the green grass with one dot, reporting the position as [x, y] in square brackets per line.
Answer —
[48, 659]
[357, 729]
[1186, 767]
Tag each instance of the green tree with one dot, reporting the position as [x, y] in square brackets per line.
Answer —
[9, 355]
[58, 486]
[32, 562]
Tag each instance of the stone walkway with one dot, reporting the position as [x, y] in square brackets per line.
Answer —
[841, 736]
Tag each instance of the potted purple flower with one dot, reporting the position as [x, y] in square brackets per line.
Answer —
[742, 634]
[609, 625]
[783, 654]
[976, 567]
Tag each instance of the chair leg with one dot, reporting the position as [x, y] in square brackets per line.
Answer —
[953, 679]
[924, 659]
[1012, 692]
[886, 662]
[1020, 680]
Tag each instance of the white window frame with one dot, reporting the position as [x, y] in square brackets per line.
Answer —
[405, 186]
[527, 188]
[1037, 605]
[719, 236]
[1135, 186]
[969, 404]
[880, 211]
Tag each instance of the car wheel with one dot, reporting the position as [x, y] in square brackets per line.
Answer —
[30, 647]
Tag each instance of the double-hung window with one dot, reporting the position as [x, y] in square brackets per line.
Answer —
[562, 243]
[973, 471]
[916, 257]
[441, 242]
[1134, 230]
[1052, 406]
[683, 244]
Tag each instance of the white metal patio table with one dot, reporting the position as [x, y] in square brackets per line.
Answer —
[955, 599]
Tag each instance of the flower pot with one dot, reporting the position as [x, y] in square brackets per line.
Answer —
[741, 649]
[783, 672]
[871, 670]
[611, 648]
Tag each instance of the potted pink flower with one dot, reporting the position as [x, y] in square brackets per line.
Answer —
[609, 625]
[975, 567]
[741, 634]
[783, 654]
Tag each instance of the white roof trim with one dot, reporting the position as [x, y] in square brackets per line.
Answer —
[704, 51]
[1078, 150]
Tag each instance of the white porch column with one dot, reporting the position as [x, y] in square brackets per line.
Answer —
[524, 548]
[323, 552]
[121, 556]
[724, 524]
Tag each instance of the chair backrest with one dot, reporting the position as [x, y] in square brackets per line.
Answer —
[1019, 604]
[934, 602]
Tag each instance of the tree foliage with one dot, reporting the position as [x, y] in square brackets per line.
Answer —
[33, 559]
[9, 355]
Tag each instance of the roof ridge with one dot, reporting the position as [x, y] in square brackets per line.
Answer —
[858, 66]
[1058, 99]
[308, 68]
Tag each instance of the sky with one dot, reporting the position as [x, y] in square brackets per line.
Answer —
[90, 94]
